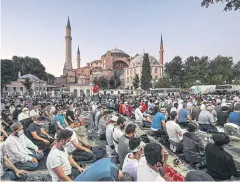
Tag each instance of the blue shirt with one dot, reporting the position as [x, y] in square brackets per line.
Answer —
[102, 170]
[234, 117]
[182, 115]
[61, 119]
[157, 121]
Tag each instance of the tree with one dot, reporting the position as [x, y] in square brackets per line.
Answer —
[7, 72]
[146, 77]
[229, 4]
[95, 80]
[28, 85]
[236, 72]
[136, 81]
[114, 80]
[163, 82]
[175, 71]
[102, 81]
[220, 70]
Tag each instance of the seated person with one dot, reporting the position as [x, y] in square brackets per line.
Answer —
[220, 164]
[16, 112]
[232, 129]
[104, 170]
[193, 146]
[61, 122]
[152, 166]
[78, 151]
[20, 150]
[147, 118]
[123, 145]
[206, 120]
[24, 114]
[59, 163]
[8, 171]
[234, 116]
[198, 175]
[131, 160]
[174, 132]
[158, 124]
[184, 116]
[222, 116]
[37, 134]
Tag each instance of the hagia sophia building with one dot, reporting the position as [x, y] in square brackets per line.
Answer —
[112, 60]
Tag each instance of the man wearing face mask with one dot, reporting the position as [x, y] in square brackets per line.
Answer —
[20, 150]
[152, 166]
[118, 132]
[123, 145]
[59, 163]
[130, 164]
[37, 134]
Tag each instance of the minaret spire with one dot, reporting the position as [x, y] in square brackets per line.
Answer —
[78, 58]
[68, 49]
[161, 51]
[68, 23]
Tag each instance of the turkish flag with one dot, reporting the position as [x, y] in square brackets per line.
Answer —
[95, 88]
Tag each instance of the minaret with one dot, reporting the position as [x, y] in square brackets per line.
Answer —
[161, 51]
[68, 40]
[78, 58]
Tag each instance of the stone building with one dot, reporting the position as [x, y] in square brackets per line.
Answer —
[39, 87]
[114, 60]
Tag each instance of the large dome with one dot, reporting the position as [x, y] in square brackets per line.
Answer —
[138, 60]
[118, 52]
[30, 77]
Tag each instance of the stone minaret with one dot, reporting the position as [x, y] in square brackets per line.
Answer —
[161, 51]
[68, 40]
[78, 58]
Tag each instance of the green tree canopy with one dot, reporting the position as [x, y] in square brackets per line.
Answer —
[229, 4]
[7, 72]
[26, 65]
[136, 81]
[146, 77]
[175, 71]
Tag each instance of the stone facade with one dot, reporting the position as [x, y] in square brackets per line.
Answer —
[79, 90]
[113, 60]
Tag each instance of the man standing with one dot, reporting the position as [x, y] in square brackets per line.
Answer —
[59, 163]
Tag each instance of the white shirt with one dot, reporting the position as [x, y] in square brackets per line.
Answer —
[130, 166]
[109, 134]
[117, 133]
[173, 129]
[33, 113]
[57, 158]
[173, 109]
[145, 173]
[22, 116]
[202, 107]
[17, 148]
[94, 107]
[138, 115]
[70, 148]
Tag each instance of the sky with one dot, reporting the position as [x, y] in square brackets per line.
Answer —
[36, 28]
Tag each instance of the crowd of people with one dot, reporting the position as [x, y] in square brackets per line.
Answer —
[51, 131]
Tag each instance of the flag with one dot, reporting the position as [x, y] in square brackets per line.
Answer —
[197, 90]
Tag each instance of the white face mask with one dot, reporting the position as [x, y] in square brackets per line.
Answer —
[19, 133]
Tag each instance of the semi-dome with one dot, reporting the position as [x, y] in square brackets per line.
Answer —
[30, 77]
[138, 60]
[118, 52]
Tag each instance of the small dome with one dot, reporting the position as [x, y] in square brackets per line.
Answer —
[118, 52]
[30, 77]
[139, 60]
